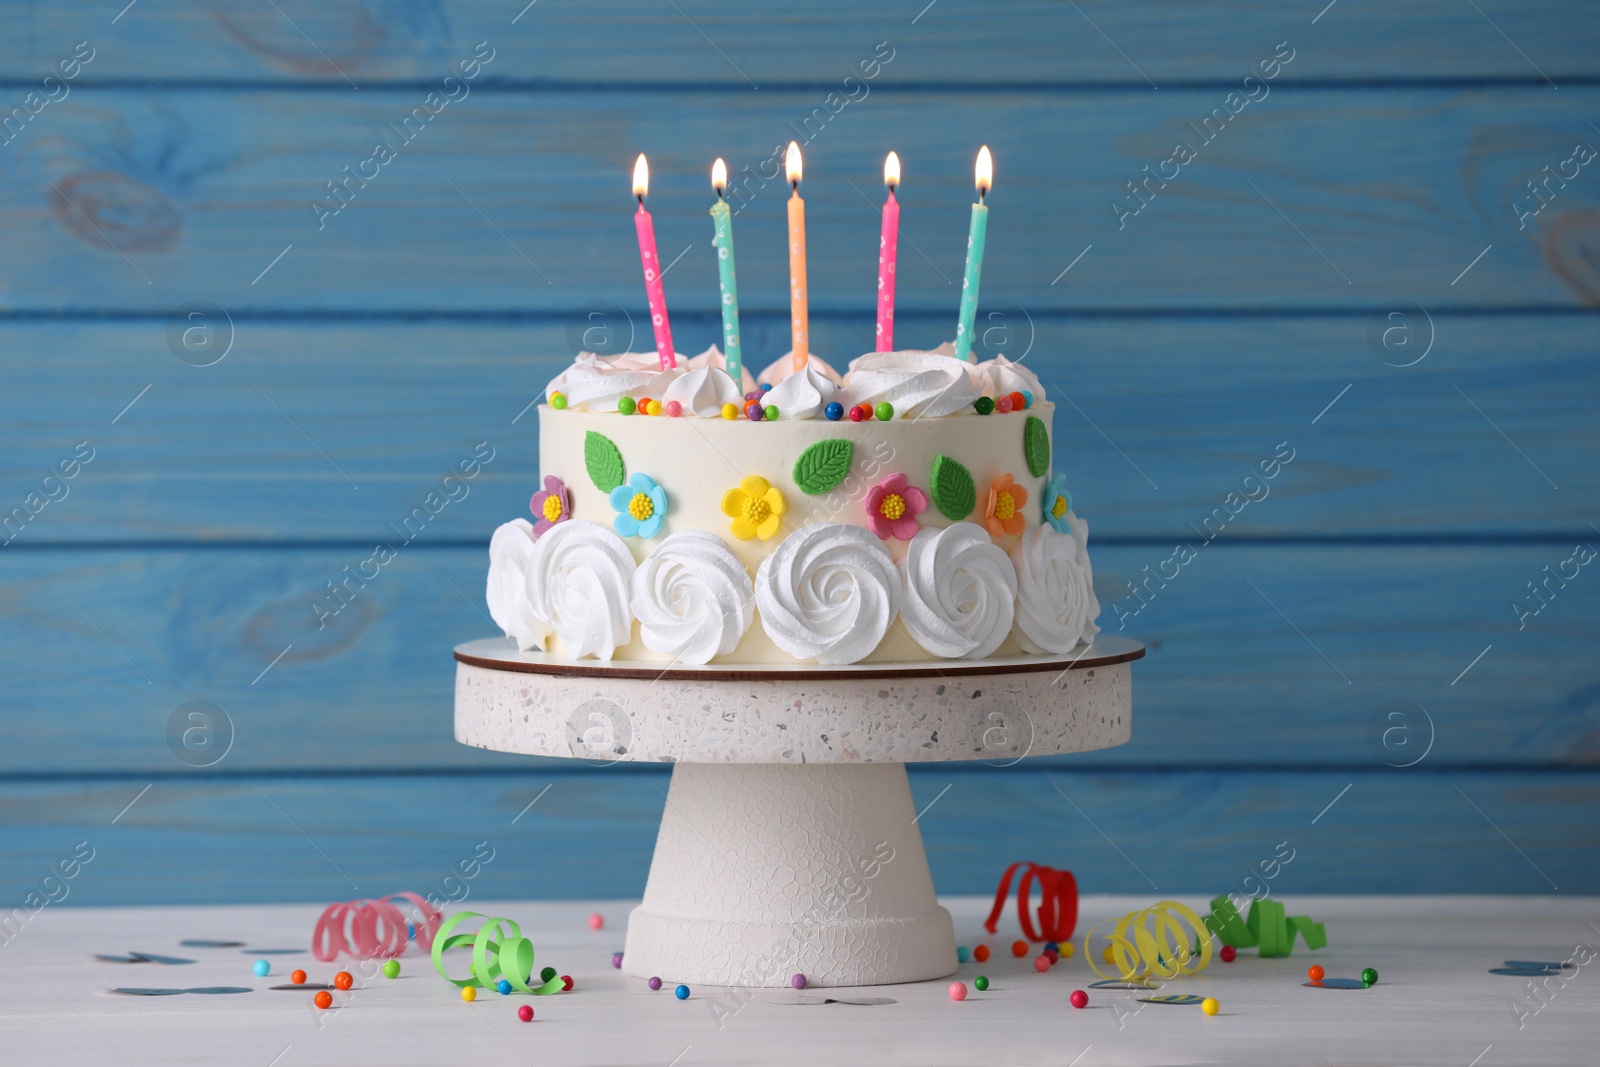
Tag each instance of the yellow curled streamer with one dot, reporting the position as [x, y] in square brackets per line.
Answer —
[1153, 942]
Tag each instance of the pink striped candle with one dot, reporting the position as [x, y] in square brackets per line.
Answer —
[888, 253]
[648, 256]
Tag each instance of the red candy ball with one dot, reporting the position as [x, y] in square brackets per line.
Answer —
[1052, 955]
[566, 982]
[1041, 964]
[1019, 949]
[298, 978]
[855, 414]
[1018, 401]
[323, 999]
[981, 953]
[1079, 999]
[525, 1013]
[343, 980]
[1228, 953]
[1316, 974]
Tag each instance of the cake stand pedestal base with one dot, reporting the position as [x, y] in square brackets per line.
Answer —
[762, 872]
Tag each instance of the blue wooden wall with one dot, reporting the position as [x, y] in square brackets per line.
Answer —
[1247, 302]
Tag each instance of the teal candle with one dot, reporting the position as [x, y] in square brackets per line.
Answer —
[722, 220]
[966, 325]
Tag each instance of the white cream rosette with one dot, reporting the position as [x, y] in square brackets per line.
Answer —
[829, 593]
[960, 591]
[596, 383]
[692, 597]
[578, 583]
[802, 395]
[1056, 605]
[916, 384]
[702, 391]
[510, 554]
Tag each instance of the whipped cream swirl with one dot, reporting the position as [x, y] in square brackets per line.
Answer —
[802, 395]
[783, 366]
[1004, 376]
[713, 357]
[703, 391]
[918, 384]
[692, 597]
[578, 583]
[1056, 605]
[960, 591]
[510, 553]
[829, 593]
[596, 383]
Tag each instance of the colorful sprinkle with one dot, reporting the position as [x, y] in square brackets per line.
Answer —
[983, 405]
[764, 386]
[558, 401]
[982, 983]
[262, 968]
[730, 411]
[469, 994]
[834, 411]
[798, 981]
[884, 411]
[1079, 999]
[525, 1013]
[1018, 401]
[1228, 954]
[391, 969]
[752, 396]
[674, 409]
[596, 921]
[1316, 974]
[1002, 404]
[1019, 949]
[1067, 950]
[503, 987]
[754, 412]
[963, 953]
[626, 406]
[654, 983]
[1027, 398]
[682, 992]
[1052, 946]
[298, 978]
[1041, 964]
[958, 991]
[323, 999]
[343, 980]
[1052, 955]
[772, 413]
[1210, 1006]
[855, 414]
[1369, 977]
[547, 974]
[566, 983]
[981, 953]
[616, 960]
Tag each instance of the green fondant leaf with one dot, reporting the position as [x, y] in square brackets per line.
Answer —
[603, 461]
[823, 466]
[1036, 446]
[954, 493]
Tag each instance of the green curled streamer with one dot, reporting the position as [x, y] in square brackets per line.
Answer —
[1268, 928]
[510, 957]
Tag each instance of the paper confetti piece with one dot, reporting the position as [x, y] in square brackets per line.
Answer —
[200, 942]
[1154, 941]
[1172, 998]
[1338, 983]
[371, 929]
[511, 959]
[1113, 983]
[207, 990]
[1269, 928]
[1058, 904]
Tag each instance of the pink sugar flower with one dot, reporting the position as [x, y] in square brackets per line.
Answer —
[893, 507]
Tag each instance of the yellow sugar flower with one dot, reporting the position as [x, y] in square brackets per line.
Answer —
[756, 509]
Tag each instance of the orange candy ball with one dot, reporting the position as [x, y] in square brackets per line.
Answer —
[1018, 401]
[1019, 949]
[981, 953]
[343, 980]
[298, 978]
[323, 999]
[1316, 974]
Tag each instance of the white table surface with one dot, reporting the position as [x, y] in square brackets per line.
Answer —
[1435, 1003]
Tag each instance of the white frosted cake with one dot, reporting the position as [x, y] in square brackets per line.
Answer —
[683, 518]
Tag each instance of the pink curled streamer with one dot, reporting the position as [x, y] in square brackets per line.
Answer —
[372, 929]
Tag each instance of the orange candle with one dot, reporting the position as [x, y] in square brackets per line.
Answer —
[799, 315]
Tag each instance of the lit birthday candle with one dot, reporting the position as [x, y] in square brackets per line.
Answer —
[984, 177]
[652, 267]
[799, 316]
[888, 252]
[722, 219]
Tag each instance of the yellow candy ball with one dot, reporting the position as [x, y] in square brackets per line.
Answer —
[1210, 1006]
[1066, 950]
[655, 407]
[469, 994]
[730, 411]
[1106, 955]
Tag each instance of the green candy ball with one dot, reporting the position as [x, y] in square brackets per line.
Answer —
[547, 974]
[884, 411]
[559, 402]
[980, 983]
[984, 404]
[391, 969]
[626, 405]
[772, 413]
[1369, 977]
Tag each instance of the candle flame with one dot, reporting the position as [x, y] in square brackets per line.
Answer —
[791, 163]
[719, 176]
[641, 177]
[891, 170]
[984, 172]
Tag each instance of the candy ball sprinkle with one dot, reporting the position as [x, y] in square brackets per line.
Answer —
[1018, 401]
[1369, 977]
[1019, 949]
[616, 960]
[754, 412]
[469, 994]
[765, 387]
[981, 953]
[566, 983]
[798, 981]
[682, 992]
[596, 921]
[391, 969]
[298, 978]
[654, 983]
[1052, 955]
[963, 953]
[982, 983]
[1052, 946]
[262, 968]
[834, 411]
[772, 413]
[558, 401]
[983, 405]
[1041, 964]
[730, 411]
[626, 406]
[1316, 974]
[958, 991]
[673, 409]
[1079, 999]
[884, 411]
[547, 974]
[855, 414]
[1210, 1006]
[1027, 398]
[323, 999]
[1002, 404]
[343, 980]
[1228, 954]
[525, 1013]
[1067, 950]
[503, 987]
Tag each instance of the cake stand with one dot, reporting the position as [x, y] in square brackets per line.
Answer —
[789, 843]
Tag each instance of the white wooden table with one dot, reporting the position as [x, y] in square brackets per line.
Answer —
[1436, 1003]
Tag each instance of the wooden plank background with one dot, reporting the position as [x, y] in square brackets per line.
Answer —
[1243, 306]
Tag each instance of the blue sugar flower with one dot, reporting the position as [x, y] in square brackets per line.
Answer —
[641, 507]
[1056, 503]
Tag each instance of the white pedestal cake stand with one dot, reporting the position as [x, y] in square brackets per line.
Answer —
[789, 843]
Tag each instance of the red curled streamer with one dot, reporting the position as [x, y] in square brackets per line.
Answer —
[1058, 910]
[372, 929]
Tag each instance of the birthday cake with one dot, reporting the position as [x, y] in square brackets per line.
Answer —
[904, 511]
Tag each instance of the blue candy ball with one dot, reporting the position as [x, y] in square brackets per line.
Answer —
[834, 411]
[504, 986]
[963, 953]
[765, 386]
[262, 968]
[1027, 398]
[682, 992]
